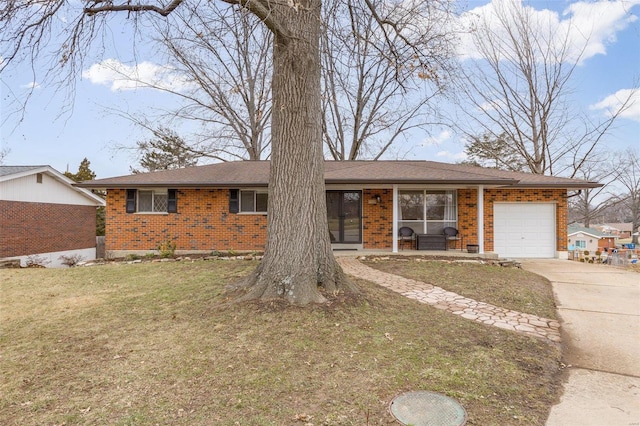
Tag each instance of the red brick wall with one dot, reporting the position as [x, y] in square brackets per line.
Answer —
[31, 228]
[203, 222]
[468, 215]
[467, 211]
[377, 219]
[559, 196]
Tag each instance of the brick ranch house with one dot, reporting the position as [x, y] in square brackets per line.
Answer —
[223, 207]
[43, 215]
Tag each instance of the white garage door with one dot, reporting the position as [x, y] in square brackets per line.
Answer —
[524, 229]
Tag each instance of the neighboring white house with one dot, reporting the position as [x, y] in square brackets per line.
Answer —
[43, 216]
[581, 238]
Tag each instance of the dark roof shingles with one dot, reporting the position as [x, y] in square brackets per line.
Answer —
[256, 173]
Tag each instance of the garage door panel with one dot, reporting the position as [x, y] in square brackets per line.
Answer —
[525, 230]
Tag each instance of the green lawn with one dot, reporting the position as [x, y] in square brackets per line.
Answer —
[510, 287]
[160, 343]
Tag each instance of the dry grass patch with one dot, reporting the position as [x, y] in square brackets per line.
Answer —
[507, 287]
[155, 343]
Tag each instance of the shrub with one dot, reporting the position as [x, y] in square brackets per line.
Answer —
[71, 260]
[35, 261]
[167, 248]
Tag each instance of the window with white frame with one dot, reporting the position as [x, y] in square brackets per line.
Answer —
[253, 201]
[427, 211]
[581, 244]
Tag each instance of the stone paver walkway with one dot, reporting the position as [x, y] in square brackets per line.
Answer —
[470, 309]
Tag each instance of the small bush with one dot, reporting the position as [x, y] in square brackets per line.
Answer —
[71, 260]
[132, 256]
[167, 248]
[35, 261]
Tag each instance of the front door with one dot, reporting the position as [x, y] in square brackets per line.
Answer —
[344, 215]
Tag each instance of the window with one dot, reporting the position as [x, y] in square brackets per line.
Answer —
[427, 211]
[253, 202]
[152, 201]
[581, 244]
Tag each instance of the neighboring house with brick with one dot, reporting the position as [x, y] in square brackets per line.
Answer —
[590, 239]
[622, 230]
[43, 216]
[223, 207]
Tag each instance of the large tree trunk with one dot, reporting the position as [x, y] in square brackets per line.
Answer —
[298, 257]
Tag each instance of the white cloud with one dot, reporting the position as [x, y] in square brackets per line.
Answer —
[443, 136]
[584, 25]
[452, 156]
[612, 103]
[119, 76]
[31, 85]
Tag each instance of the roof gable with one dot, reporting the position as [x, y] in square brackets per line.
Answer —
[576, 229]
[10, 173]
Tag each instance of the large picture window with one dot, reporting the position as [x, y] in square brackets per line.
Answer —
[427, 211]
[253, 201]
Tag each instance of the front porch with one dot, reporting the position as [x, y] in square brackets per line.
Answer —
[435, 254]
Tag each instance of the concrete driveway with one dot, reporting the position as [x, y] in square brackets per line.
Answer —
[599, 308]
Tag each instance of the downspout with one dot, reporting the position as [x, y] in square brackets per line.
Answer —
[394, 220]
[481, 219]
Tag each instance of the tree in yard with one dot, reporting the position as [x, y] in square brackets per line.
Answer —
[165, 152]
[591, 203]
[85, 173]
[629, 179]
[517, 85]
[495, 152]
[367, 103]
[222, 57]
[292, 269]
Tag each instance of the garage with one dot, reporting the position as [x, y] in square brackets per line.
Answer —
[524, 230]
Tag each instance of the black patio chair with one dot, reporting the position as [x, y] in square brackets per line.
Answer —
[452, 234]
[406, 234]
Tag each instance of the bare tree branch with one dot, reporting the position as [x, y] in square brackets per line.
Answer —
[521, 87]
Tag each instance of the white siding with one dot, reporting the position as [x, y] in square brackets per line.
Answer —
[51, 190]
[524, 230]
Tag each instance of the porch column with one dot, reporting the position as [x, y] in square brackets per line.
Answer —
[394, 220]
[481, 219]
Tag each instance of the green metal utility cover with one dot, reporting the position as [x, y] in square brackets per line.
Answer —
[423, 408]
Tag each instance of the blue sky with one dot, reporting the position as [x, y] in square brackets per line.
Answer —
[59, 129]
